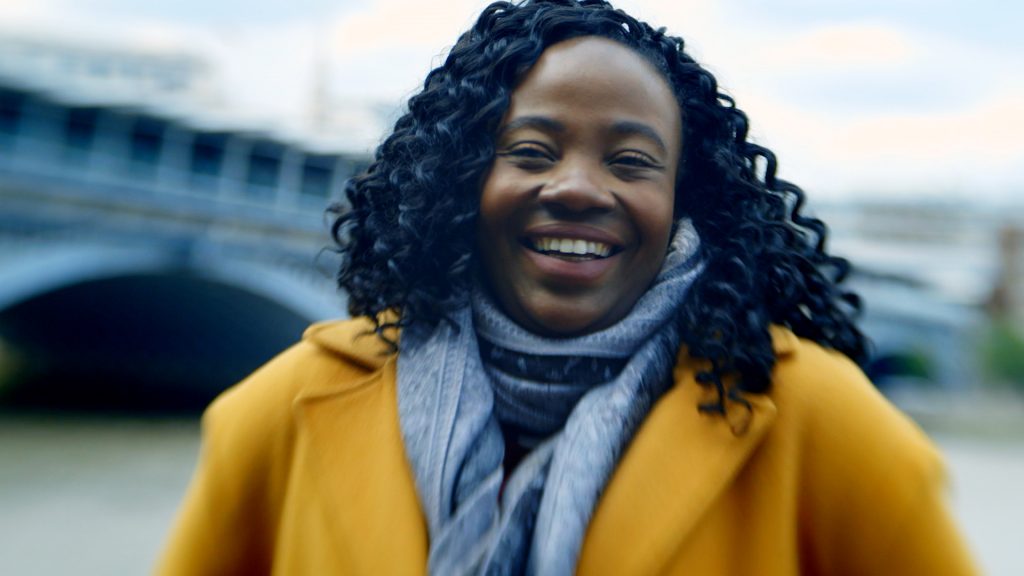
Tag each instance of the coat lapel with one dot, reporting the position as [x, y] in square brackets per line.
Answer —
[349, 432]
[679, 463]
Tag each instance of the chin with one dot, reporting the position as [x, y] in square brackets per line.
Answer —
[563, 321]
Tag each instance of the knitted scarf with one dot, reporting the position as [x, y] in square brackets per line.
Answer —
[576, 402]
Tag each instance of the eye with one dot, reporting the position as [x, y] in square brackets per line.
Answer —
[634, 159]
[631, 165]
[528, 155]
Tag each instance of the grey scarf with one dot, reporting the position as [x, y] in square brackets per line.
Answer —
[453, 408]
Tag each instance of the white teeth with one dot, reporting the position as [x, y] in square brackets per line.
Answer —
[574, 247]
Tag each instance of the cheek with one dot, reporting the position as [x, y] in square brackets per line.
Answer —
[656, 220]
[656, 227]
[489, 206]
[496, 208]
[494, 198]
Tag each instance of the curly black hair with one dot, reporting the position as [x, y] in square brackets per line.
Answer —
[407, 234]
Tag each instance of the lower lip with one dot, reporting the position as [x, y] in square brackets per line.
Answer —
[580, 272]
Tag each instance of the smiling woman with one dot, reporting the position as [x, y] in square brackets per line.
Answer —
[593, 333]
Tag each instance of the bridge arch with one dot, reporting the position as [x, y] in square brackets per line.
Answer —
[143, 327]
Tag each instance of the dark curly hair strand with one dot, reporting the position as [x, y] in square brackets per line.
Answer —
[407, 235]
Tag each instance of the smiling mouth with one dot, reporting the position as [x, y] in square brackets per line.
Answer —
[570, 249]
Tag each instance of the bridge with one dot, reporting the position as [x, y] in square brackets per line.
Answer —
[151, 261]
[148, 261]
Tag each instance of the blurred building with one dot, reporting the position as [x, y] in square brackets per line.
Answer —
[929, 271]
[1007, 297]
[108, 75]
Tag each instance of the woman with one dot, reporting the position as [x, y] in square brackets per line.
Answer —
[593, 333]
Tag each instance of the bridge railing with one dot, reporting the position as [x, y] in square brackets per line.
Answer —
[141, 158]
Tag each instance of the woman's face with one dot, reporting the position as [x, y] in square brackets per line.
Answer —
[577, 209]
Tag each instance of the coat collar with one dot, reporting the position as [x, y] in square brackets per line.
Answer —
[353, 339]
[680, 461]
[357, 341]
[352, 450]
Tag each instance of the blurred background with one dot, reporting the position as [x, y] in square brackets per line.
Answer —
[164, 169]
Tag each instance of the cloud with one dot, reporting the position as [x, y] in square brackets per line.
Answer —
[384, 49]
[680, 17]
[35, 17]
[26, 11]
[851, 98]
[988, 134]
[850, 46]
[388, 24]
[976, 147]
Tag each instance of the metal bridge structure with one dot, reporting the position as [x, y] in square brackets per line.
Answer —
[149, 260]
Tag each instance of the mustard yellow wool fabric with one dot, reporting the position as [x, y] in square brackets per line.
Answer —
[302, 471]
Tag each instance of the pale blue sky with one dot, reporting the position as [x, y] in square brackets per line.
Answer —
[881, 97]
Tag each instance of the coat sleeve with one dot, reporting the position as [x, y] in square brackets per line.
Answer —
[926, 540]
[874, 485]
[227, 521]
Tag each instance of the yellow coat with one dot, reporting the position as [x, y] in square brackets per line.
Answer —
[302, 471]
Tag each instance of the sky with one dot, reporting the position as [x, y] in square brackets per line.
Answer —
[921, 98]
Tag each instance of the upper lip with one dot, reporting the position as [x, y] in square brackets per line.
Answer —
[575, 232]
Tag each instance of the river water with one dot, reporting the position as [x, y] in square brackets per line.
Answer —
[95, 496]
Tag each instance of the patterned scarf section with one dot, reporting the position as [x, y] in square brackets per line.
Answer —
[575, 401]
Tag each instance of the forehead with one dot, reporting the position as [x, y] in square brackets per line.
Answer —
[595, 79]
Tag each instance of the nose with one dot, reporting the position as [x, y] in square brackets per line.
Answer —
[577, 188]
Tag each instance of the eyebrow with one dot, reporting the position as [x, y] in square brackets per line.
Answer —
[629, 128]
[622, 128]
[540, 122]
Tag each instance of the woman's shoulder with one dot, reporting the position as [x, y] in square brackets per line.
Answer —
[871, 483]
[330, 356]
[237, 498]
[811, 377]
[824, 398]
